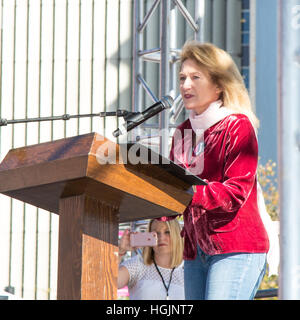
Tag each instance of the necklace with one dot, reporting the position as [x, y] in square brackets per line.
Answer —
[163, 280]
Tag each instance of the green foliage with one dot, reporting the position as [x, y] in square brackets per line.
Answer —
[266, 178]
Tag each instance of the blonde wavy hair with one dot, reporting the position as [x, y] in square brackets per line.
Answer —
[224, 73]
[176, 244]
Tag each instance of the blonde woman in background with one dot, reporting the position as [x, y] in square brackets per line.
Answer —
[158, 274]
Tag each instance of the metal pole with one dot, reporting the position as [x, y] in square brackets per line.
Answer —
[173, 45]
[164, 73]
[233, 30]
[219, 23]
[199, 19]
[289, 148]
[252, 53]
[207, 23]
[189, 19]
[148, 16]
[137, 63]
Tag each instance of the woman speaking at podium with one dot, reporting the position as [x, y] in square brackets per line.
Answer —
[225, 242]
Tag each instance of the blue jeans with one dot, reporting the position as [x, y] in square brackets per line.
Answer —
[232, 276]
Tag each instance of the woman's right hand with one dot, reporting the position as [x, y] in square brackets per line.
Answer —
[124, 244]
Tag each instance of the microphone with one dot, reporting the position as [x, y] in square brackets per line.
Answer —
[134, 120]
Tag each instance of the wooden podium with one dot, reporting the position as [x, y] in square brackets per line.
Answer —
[70, 177]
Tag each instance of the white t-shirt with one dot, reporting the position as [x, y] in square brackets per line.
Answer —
[146, 284]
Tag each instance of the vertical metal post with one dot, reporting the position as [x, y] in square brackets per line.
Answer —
[173, 45]
[207, 23]
[219, 23]
[199, 19]
[252, 53]
[164, 72]
[233, 30]
[289, 148]
[137, 62]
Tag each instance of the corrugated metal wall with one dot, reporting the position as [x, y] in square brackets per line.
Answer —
[57, 57]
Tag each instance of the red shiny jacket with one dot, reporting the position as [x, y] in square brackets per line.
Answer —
[223, 216]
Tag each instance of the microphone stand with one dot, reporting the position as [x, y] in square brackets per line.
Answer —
[118, 113]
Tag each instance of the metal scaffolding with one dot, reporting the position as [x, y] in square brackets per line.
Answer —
[205, 24]
[166, 55]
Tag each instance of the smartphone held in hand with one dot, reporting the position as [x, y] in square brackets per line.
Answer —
[143, 239]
